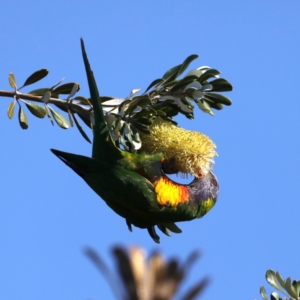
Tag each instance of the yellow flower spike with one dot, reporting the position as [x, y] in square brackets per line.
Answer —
[193, 151]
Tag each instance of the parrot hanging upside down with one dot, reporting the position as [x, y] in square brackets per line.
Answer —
[135, 185]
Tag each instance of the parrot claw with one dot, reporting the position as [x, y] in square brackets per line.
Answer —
[173, 227]
[164, 229]
[153, 234]
[129, 225]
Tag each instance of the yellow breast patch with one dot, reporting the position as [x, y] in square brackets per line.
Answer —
[169, 192]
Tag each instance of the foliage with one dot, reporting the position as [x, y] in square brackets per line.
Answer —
[289, 288]
[165, 97]
[140, 278]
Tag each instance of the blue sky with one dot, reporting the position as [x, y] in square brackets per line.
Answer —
[48, 214]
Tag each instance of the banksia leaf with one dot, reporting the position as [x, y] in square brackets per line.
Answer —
[11, 109]
[36, 109]
[12, 80]
[59, 119]
[23, 118]
[36, 76]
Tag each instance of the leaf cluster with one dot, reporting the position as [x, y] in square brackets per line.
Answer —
[165, 97]
[288, 287]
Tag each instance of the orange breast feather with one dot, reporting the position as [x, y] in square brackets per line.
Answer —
[169, 192]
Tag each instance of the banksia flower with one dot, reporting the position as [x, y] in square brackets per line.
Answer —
[193, 151]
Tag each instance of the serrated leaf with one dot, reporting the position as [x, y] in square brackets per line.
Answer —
[154, 82]
[11, 109]
[66, 88]
[39, 92]
[81, 130]
[218, 98]
[263, 293]
[59, 119]
[36, 76]
[22, 118]
[12, 80]
[221, 85]
[208, 74]
[36, 109]
[272, 280]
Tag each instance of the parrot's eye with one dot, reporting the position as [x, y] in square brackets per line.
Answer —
[214, 181]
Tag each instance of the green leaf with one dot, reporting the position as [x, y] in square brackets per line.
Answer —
[272, 280]
[70, 118]
[218, 98]
[11, 109]
[83, 100]
[141, 127]
[39, 92]
[66, 88]
[263, 293]
[48, 114]
[205, 107]
[36, 76]
[60, 120]
[22, 118]
[296, 287]
[80, 129]
[290, 288]
[221, 85]
[181, 84]
[74, 90]
[12, 80]
[154, 82]
[275, 296]
[36, 109]
[208, 74]
[186, 63]
[280, 279]
[86, 120]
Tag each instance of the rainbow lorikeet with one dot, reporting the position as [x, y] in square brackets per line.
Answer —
[135, 185]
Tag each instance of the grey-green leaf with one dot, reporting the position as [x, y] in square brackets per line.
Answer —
[221, 85]
[208, 74]
[275, 296]
[39, 92]
[218, 98]
[12, 80]
[36, 76]
[23, 118]
[65, 88]
[263, 293]
[11, 109]
[154, 82]
[290, 288]
[80, 129]
[36, 109]
[272, 280]
[60, 119]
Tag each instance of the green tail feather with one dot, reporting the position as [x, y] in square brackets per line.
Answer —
[104, 147]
